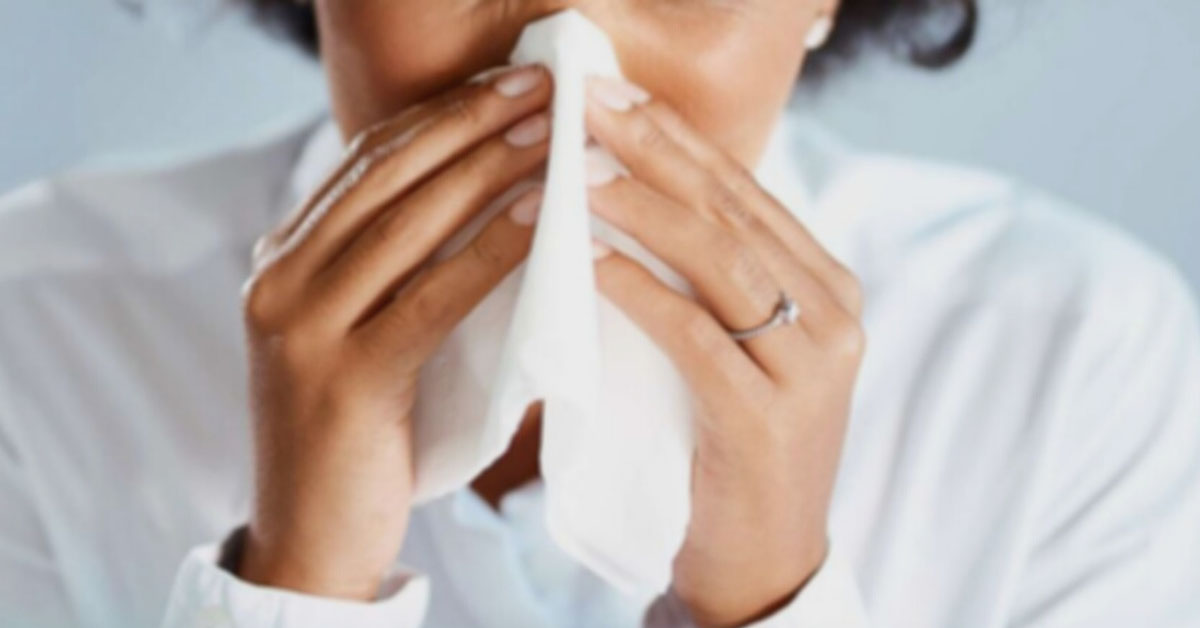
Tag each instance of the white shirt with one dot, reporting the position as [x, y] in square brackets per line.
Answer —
[1024, 447]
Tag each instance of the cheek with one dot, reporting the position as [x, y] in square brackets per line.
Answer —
[729, 76]
[383, 55]
[728, 72]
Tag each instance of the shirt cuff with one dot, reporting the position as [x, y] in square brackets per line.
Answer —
[206, 596]
[830, 599]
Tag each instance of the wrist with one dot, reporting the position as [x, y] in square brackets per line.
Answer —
[731, 597]
[279, 566]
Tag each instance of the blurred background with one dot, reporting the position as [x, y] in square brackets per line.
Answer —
[1097, 101]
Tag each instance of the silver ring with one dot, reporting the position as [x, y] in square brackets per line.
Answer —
[786, 312]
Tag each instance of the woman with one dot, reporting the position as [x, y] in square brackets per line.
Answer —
[1020, 447]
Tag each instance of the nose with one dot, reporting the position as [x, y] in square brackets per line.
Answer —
[603, 13]
[609, 15]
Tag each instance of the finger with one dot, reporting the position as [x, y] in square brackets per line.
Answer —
[394, 166]
[364, 143]
[642, 146]
[777, 218]
[419, 318]
[686, 167]
[382, 256]
[728, 275]
[711, 362]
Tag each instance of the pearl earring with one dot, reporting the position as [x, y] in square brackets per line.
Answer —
[819, 32]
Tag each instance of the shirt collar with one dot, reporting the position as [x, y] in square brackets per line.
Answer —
[788, 169]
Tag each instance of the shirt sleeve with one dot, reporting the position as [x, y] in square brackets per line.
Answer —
[830, 599]
[32, 592]
[206, 595]
[1115, 541]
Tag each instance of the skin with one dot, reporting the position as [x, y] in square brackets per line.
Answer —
[336, 350]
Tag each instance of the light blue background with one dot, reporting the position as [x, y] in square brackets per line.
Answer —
[1095, 100]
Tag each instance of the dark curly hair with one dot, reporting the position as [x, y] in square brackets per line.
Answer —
[929, 33]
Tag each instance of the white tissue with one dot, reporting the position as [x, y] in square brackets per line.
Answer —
[616, 432]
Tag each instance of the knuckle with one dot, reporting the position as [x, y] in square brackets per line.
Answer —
[390, 230]
[647, 136]
[848, 339]
[727, 204]
[738, 177]
[423, 308]
[292, 332]
[466, 111]
[479, 165]
[288, 345]
[259, 299]
[744, 186]
[698, 329]
[741, 265]
[489, 253]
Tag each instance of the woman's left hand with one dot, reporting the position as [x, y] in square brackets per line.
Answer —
[772, 409]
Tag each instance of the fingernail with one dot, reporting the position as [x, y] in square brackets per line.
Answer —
[525, 210]
[529, 131]
[616, 94]
[490, 73]
[519, 81]
[602, 166]
[600, 250]
[260, 246]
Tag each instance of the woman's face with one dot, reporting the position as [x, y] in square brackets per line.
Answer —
[727, 65]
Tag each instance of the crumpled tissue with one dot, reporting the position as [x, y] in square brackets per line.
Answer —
[616, 425]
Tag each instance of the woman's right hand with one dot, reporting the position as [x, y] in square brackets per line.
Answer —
[343, 308]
